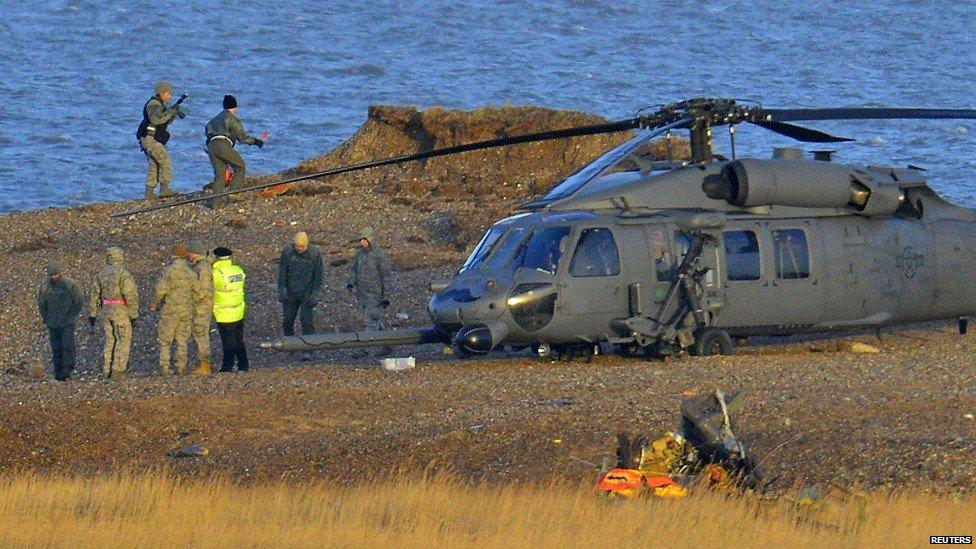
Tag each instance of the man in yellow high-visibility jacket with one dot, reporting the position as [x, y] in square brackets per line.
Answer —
[228, 309]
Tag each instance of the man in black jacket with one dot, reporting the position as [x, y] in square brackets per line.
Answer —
[299, 283]
[59, 301]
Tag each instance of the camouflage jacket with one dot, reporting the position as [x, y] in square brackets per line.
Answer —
[174, 291]
[369, 274]
[114, 287]
[59, 302]
[228, 125]
[203, 288]
[157, 113]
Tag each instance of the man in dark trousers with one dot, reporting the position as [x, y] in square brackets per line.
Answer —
[59, 301]
[224, 131]
[229, 307]
[299, 283]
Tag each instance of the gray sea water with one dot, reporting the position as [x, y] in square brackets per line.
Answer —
[74, 75]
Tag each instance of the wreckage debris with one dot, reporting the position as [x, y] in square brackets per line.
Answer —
[703, 450]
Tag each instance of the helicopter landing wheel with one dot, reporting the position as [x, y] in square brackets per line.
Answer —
[711, 342]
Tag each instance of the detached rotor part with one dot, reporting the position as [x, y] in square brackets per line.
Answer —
[354, 340]
[799, 183]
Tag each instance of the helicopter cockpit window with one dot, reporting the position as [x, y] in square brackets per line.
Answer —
[484, 248]
[543, 249]
[505, 249]
[741, 255]
[595, 255]
[791, 253]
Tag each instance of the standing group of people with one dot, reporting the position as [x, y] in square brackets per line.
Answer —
[223, 132]
[196, 288]
[199, 286]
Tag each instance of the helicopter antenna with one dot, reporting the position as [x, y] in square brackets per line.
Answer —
[732, 139]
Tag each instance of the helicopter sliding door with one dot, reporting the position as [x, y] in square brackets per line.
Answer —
[794, 283]
[770, 284]
[593, 290]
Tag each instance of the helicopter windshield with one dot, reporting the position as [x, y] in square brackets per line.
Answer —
[543, 250]
[505, 249]
[484, 248]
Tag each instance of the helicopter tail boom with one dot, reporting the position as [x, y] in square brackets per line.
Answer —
[353, 340]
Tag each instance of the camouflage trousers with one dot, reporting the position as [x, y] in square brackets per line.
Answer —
[173, 329]
[160, 166]
[118, 339]
[201, 332]
[372, 314]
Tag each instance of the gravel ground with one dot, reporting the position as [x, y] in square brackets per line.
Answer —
[818, 415]
[895, 419]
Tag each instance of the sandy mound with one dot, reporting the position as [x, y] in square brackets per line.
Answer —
[518, 171]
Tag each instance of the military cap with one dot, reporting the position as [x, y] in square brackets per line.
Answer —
[230, 102]
[163, 87]
[367, 234]
[196, 247]
[52, 269]
[115, 254]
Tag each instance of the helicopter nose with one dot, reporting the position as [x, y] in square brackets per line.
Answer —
[460, 307]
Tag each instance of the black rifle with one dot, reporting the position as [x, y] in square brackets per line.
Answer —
[161, 134]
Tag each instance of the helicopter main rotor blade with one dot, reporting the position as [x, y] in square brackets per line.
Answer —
[579, 131]
[800, 133]
[866, 113]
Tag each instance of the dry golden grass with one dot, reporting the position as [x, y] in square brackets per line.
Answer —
[156, 510]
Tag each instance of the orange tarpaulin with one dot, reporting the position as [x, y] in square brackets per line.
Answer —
[629, 483]
[623, 482]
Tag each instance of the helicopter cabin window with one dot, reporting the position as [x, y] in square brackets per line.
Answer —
[595, 255]
[741, 255]
[683, 241]
[543, 250]
[791, 253]
[670, 262]
[661, 254]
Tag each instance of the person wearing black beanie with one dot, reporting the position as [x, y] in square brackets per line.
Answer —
[224, 131]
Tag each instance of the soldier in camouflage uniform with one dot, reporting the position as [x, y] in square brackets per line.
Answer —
[115, 300]
[174, 293]
[203, 295]
[369, 278]
[153, 136]
[223, 133]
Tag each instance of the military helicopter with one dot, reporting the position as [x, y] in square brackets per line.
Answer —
[678, 257]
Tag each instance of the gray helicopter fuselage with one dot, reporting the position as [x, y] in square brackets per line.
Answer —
[610, 252]
[709, 250]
